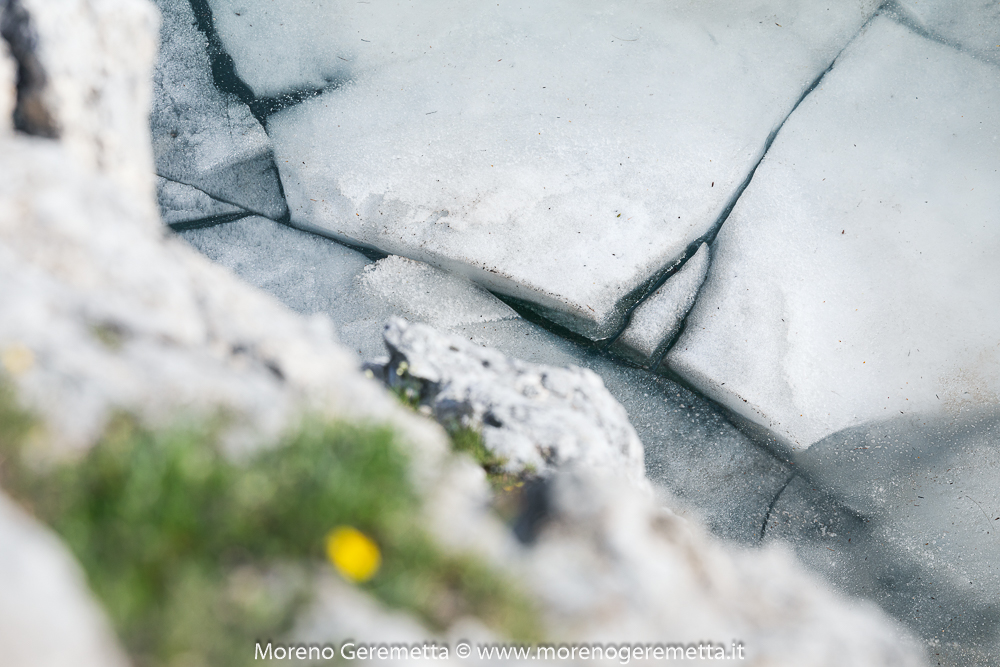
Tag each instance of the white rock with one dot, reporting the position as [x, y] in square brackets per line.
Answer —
[342, 612]
[202, 136]
[857, 277]
[47, 615]
[540, 416]
[182, 204]
[972, 25]
[658, 319]
[95, 56]
[491, 140]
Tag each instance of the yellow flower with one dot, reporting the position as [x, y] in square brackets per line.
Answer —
[353, 553]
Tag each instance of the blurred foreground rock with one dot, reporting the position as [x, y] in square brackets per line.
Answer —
[47, 616]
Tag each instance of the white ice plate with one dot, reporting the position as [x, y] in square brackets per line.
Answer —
[563, 153]
[857, 278]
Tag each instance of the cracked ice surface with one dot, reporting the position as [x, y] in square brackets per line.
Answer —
[510, 162]
[857, 277]
[658, 319]
[181, 203]
[201, 136]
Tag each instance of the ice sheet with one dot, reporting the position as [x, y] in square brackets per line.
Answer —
[857, 278]
[563, 153]
[201, 136]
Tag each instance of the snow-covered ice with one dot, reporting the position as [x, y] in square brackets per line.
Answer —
[201, 136]
[423, 293]
[657, 320]
[857, 278]
[312, 274]
[491, 139]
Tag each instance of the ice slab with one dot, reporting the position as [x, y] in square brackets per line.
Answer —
[423, 293]
[313, 274]
[856, 279]
[182, 204]
[563, 153]
[972, 25]
[906, 512]
[201, 136]
[656, 321]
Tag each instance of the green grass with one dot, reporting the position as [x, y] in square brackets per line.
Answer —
[194, 555]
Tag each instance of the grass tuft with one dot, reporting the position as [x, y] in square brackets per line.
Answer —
[196, 557]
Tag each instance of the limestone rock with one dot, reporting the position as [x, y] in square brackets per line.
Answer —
[531, 415]
[89, 86]
[117, 316]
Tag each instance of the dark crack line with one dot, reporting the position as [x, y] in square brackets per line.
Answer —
[209, 194]
[228, 80]
[774, 501]
[372, 253]
[212, 221]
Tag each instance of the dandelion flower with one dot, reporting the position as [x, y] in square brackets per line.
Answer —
[353, 553]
